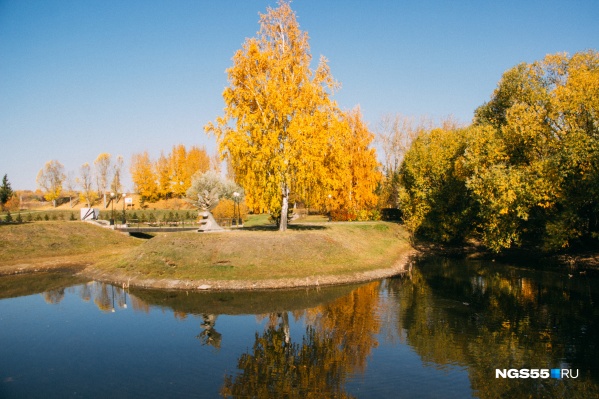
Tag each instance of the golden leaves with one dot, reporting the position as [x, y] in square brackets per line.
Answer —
[280, 129]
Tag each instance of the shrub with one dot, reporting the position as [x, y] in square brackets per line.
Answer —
[227, 209]
[391, 214]
[363, 215]
[343, 215]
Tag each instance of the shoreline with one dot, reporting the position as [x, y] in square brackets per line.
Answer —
[401, 265]
[86, 270]
[310, 255]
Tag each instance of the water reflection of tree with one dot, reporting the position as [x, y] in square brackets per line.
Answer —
[209, 335]
[54, 296]
[105, 296]
[499, 320]
[337, 341]
[85, 292]
[352, 322]
[276, 369]
[103, 299]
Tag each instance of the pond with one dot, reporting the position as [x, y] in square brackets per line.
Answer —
[441, 330]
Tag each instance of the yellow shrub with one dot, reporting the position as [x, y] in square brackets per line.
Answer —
[227, 209]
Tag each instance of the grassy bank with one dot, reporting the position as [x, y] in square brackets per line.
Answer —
[308, 254]
[253, 257]
[55, 245]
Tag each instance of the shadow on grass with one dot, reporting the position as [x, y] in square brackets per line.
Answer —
[145, 236]
[296, 227]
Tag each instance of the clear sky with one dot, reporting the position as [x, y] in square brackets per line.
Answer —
[78, 78]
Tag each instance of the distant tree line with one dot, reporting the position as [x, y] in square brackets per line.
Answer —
[170, 176]
[93, 182]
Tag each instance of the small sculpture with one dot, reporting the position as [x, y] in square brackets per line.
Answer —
[206, 202]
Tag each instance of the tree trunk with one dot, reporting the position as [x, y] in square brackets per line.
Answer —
[284, 209]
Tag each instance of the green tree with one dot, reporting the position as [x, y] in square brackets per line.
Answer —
[545, 186]
[526, 172]
[435, 201]
[5, 191]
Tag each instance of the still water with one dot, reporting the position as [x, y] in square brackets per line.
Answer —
[440, 330]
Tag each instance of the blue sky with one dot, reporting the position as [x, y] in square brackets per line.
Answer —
[78, 78]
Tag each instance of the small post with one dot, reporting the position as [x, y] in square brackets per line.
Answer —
[112, 195]
[124, 219]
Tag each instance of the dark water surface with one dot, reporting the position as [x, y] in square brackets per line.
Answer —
[441, 330]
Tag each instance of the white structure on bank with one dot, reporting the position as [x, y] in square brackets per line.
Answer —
[90, 213]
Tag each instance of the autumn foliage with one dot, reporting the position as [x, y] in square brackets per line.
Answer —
[282, 132]
[526, 172]
[170, 175]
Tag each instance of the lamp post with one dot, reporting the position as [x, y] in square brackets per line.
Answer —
[112, 195]
[124, 219]
[236, 221]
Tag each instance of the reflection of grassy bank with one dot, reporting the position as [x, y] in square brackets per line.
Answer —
[29, 284]
[307, 255]
[254, 302]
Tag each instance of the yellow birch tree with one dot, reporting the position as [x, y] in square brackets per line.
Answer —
[280, 129]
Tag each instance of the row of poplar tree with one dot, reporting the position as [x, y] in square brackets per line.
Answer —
[171, 174]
